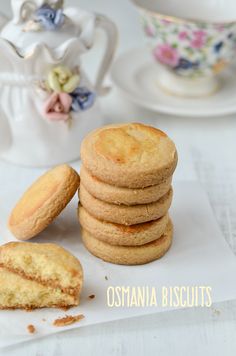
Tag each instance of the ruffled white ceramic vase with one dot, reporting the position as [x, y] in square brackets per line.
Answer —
[27, 137]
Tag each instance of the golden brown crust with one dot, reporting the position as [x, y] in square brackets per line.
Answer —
[43, 202]
[30, 307]
[123, 235]
[120, 195]
[122, 214]
[129, 155]
[127, 255]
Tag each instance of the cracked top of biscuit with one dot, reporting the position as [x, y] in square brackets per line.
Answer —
[132, 143]
[129, 155]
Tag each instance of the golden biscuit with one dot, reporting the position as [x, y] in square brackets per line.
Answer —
[116, 234]
[122, 195]
[122, 214]
[129, 255]
[129, 155]
[38, 275]
[43, 202]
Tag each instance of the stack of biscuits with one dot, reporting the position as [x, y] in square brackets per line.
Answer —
[126, 192]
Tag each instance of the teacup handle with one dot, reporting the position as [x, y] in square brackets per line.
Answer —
[103, 23]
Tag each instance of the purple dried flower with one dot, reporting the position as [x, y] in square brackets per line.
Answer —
[50, 19]
[82, 99]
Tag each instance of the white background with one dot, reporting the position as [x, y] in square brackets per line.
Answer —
[207, 149]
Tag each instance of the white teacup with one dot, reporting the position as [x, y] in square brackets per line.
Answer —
[191, 41]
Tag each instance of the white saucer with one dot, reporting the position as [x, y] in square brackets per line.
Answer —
[134, 73]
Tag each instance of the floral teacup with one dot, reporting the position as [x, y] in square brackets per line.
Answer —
[191, 41]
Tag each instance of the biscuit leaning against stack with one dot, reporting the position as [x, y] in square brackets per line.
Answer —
[126, 192]
[43, 202]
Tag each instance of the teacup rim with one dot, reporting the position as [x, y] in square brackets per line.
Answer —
[178, 19]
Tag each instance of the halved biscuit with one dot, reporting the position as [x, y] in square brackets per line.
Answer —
[123, 235]
[48, 264]
[123, 214]
[129, 155]
[17, 292]
[122, 195]
[43, 202]
[38, 275]
[129, 255]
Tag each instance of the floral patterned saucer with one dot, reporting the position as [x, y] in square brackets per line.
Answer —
[137, 79]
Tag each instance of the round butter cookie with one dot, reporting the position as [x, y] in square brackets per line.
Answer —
[123, 214]
[43, 202]
[129, 255]
[122, 235]
[122, 195]
[129, 155]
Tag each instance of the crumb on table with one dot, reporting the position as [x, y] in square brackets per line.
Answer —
[31, 329]
[68, 320]
[92, 296]
[66, 308]
[216, 312]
